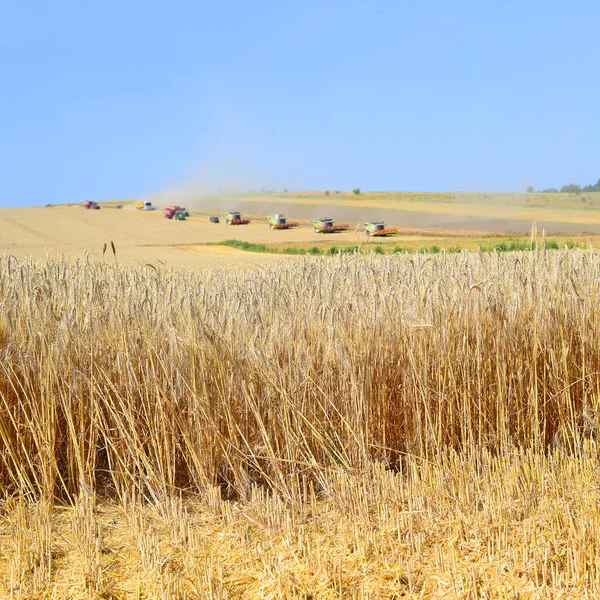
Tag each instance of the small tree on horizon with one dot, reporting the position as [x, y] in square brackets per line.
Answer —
[570, 189]
[356, 191]
[592, 188]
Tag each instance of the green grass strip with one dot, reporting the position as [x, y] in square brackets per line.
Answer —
[504, 246]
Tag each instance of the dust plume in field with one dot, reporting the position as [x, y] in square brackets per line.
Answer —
[226, 183]
[215, 185]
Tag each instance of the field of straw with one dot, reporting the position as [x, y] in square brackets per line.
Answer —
[351, 427]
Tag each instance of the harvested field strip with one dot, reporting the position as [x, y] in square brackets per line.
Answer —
[574, 214]
[558, 201]
[519, 525]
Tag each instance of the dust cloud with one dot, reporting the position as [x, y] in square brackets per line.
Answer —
[216, 185]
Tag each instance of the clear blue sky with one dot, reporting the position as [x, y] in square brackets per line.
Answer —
[118, 98]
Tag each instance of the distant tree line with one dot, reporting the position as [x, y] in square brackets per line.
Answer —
[571, 188]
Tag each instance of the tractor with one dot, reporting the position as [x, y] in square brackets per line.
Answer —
[213, 219]
[91, 205]
[378, 229]
[235, 218]
[174, 212]
[280, 222]
[328, 226]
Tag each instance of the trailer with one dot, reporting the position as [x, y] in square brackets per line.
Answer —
[235, 218]
[174, 212]
[378, 229]
[329, 226]
[280, 222]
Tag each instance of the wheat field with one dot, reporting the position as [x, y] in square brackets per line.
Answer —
[347, 427]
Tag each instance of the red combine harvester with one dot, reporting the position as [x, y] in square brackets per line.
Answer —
[89, 205]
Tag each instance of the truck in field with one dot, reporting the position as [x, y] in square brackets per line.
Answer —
[235, 218]
[89, 205]
[329, 226]
[378, 229]
[280, 222]
[174, 212]
[146, 205]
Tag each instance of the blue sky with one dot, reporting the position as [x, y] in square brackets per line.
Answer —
[121, 98]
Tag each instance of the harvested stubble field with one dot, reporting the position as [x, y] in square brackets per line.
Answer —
[348, 427]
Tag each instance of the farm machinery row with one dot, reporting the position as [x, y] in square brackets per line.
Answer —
[372, 228]
[277, 221]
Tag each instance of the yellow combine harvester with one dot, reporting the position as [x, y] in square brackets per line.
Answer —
[329, 226]
[235, 218]
[378, 229]
[280, 222]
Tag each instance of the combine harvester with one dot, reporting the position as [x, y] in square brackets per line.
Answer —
[89, 205]
[175, 212]
[328, 226]
[147, 205]
[280, 222]
[378, 229]
[235, 218]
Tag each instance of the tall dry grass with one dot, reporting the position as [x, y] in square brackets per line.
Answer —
[150, 381]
